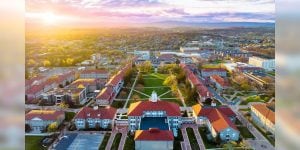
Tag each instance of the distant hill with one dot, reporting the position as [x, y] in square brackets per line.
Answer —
[212, 25]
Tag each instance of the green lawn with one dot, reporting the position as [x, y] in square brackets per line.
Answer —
[129, 144]
[211, 66]
[104, 141]
[192, 139]
[245, 132]
[255, 98]
[69, 116]
[34, 143]
[116, 141]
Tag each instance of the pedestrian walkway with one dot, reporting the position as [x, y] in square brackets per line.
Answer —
[124, 132]
[197, 135]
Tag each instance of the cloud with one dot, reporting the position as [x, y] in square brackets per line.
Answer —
[157, 10]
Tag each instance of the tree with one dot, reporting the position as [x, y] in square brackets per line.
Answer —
[52, 127]
[245, 86]
[27, 128]
[145, 67]
[46, 63]
[170, 80]
[177, 61]
[136, 97]
[63, 105]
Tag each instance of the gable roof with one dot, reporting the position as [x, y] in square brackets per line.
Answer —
[153, 134]
[94, 71]
[220, 80]
[265, 111]
[105, 93]
[44, 114]
[101, 113]
[137, 108]
[217, 116]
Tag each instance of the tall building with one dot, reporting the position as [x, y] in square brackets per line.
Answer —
[267, 64]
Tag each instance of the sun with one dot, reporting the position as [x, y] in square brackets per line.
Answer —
[49, 18]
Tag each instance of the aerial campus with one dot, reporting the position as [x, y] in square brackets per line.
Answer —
[186, 86]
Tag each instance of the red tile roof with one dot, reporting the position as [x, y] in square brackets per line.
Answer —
[137, 108]
[219, 80]
[218, 116]
[265, 111]
[153, 134]
[100, 113]
[201, 88]
[94, 71]
[44, 114]
[105, 93]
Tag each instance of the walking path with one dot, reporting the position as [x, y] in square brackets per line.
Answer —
[124, 132]
[181, 98]
[164, 93]
[186, 140]
[129, 95]
[111, 140]
[142, 93]
[197, 135]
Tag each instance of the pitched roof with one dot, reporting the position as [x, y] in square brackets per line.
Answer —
[218, 116]
[201, 88]
[101, 113]
[219, 80]
[34, 79]
[84, 82]
[44, 114]
[153, 134]
[265, 111]
[137, 108]
[105, 93]
[94, 71]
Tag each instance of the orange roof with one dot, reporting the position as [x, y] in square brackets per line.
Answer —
[137, 108]
[265, 111]
[218, 116]
[153, 134]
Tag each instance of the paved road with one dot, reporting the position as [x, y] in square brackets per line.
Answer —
[185, 139]
[181, 98]
[124, 132]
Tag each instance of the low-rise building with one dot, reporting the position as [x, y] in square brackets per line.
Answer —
[89, 117]
[189, 49]
[195, 82]
[69, 95]
[38, 120]
[207, 72]
[166, 59]
[233, 53]
[105, 97]
[218, 120]
[250, 69]
[90, 84]
[266, 63]
[263, 116]
[219, 82]
[154, 113]
[153, 138]
[94, 74]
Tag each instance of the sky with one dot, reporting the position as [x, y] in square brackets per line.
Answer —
[138, 12]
